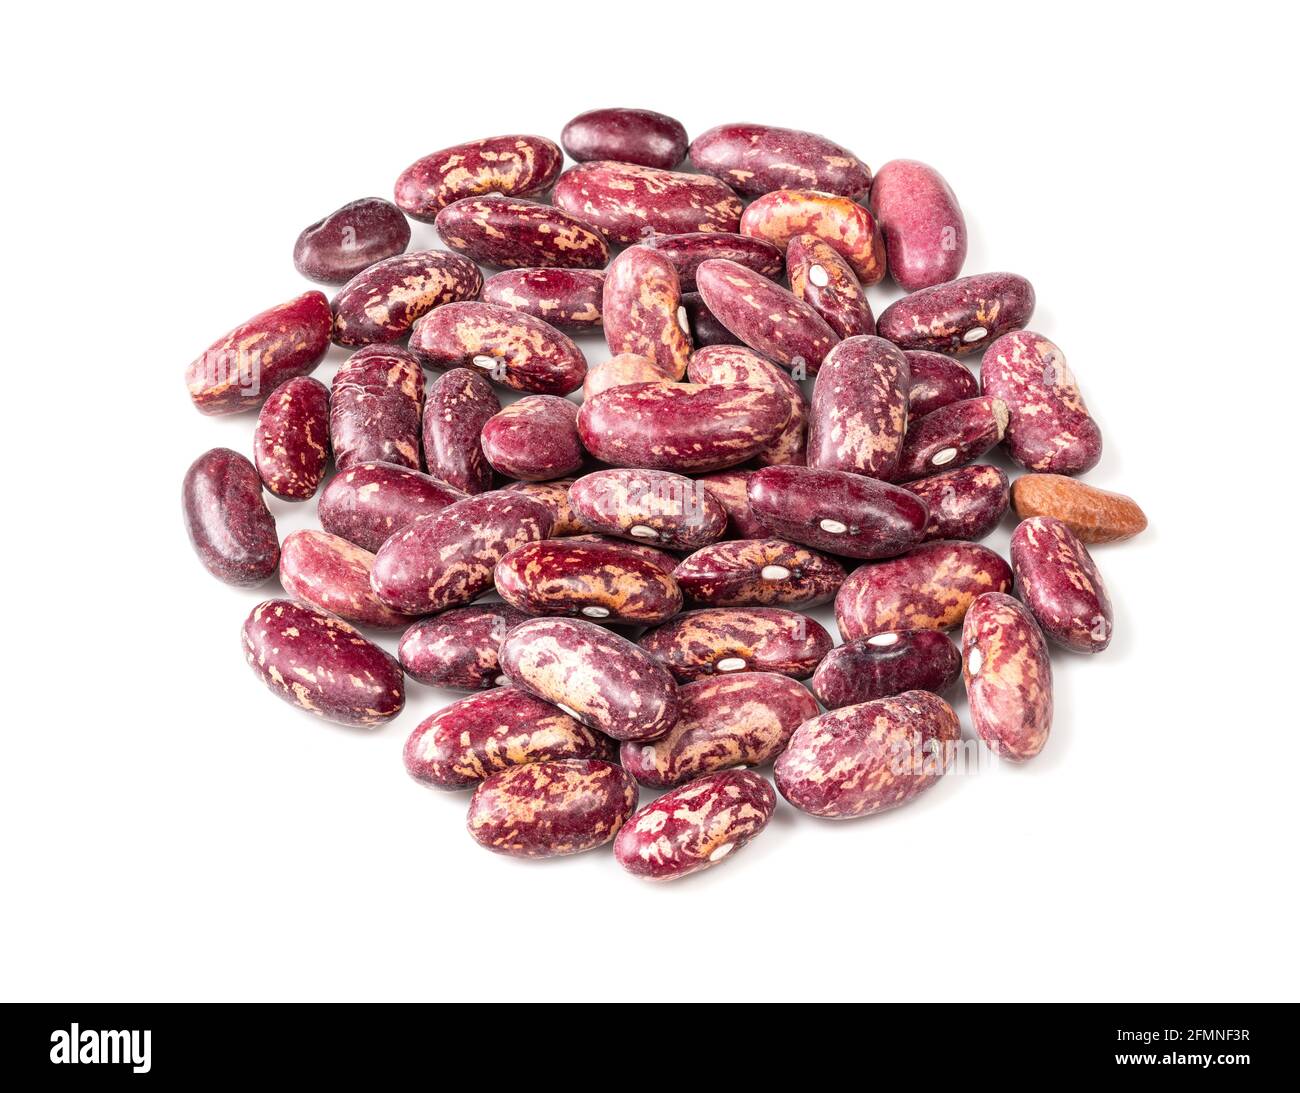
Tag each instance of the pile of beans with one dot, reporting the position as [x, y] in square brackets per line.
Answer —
[653, 547]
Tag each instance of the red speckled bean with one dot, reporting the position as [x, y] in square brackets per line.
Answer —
[230, 527]
[886, 664]
[757, 159]
[369, 502]
[952, 436]
[695, 826]
[503, 231]
[651, 506]
[484, 734]
[704, 326]
[759, 573]
[326, 571]
[1008, 676]
[627, 201]
[967, 503]
[836, 511]
[239, 370]
[936, 381]
[929, 588]
[447, 559]
[624, 135]
[458, 649]
[642, 310]
[545, 810]
[382, 302]
[661, 560]
[733, 639]
[291, 444]
[859, 409]
[960, 316]
[568, 299]
[781, 215]
[376, 401]
[863, 759]
[341, 245]
[731, 490]
[686, 252]
[515, 165]
[1059, 582]
[621, 371]
[458, 405]
[534, 439]
[320, 664]
[603, 680]
[555, 496]
[727, 364]
[826, 283]
[925, 232]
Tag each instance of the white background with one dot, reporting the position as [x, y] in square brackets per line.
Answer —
[168, 830]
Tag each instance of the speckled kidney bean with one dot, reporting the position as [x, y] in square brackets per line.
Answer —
[1094, 515]
[781, 215]
[459, 403]
[967, 503]
[731, 490]
[239, 370]
[230, 527]
[534, 439]
[447, 559]
[960, 316]
[1008, 676]
[510, 347]
[291, 444]
[687, 251]
[937, 380]
[681, 427]
[759, 573]
[624, 135]
[836, 511]
[555, 496]
[703, 324]
[721, 640]
[568, 299]
[862, 759]
[326, 571]
[826, 283]
[651, 506]
[345, 242]
[627, 201]
[620, 371]
[503, 231]
[515, 165]
[1059, 582]
[383, 301]
[924, 230]
[595, 580]
[928, 588]
[371, 501]
[458, 648]
[321, 664]
[546, 810]
[858, 420]
[484, 734]
[1048, 425]
[757, 159]
[642, 310]
[728, 721]
[952, 436]
[376, 401]
[884, 665]
[660, 559]
[603, 680]
[765, 316]
[736, 365]
[695, 826]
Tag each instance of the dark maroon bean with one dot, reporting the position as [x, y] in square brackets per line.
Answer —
[369, 502]
[326, 571]
[555, 496]
[642, 310]
[458, 405]
[759, 573]
[886, 664]
[651, 506]
[826, 283]
[722, 640]
[230, 527]
[503, 231]
[1059, 582]
[858, 420]
[687, 251]
[959, 316]
[936, 381]
[383, 301]
[736, 365]
[375, 404]
[756, 159]
[730, 488]
[952, 436]
[361, 233]
[967, 503]
[1008, 676]
[535, 439]
[624, 135]
[458, 648]
[568, 299]
[924, 230]
[516, 165]
[291, 444]
[703, 324]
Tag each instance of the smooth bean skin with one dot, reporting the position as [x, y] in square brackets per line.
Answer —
[230, 527]
[959, 317]
[459, 403]
[826, 283]
[757, 159]
[603, 680]
[516, 165]
[326, 571]
[967, 503]
[484, 734]
[952, 436]
[929, 588]
[319, 663]
[625, 135]
[1008, 676]
[503, 231]
[641, 310]
[863, 759]
[937, 380]
[376, 400]
[238, 371]
[848, 227]
[741, 367]
[732, 492]
[695, 826]
[339, 246]
[687, 251]
[725, 640]
[383, 301]
[1094, 515]
[457, 649]
[568, 299]
[550, 809]
[447, 559]
[621, 371]
[704, 326]
[510, 347]
[884, 665]
[554, 494]
[924, 230]
[369, 502]
[660, 559]
[858, 420]
[836, 511]
[1060, 584]
[291, 444]
[759, 573]
[655, 507]
[534, 439]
